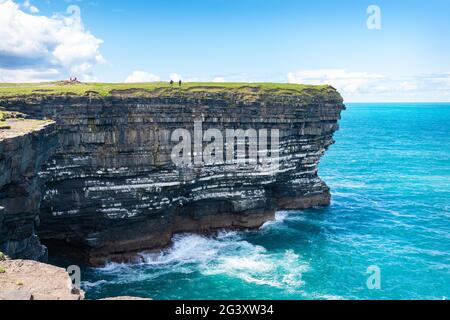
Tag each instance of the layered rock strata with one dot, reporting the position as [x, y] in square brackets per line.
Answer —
[24, 147]
[113, 189]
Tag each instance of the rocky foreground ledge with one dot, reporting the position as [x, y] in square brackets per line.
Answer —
[31, 280]
[101, 183]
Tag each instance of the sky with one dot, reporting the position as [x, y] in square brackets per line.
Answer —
[371, 51]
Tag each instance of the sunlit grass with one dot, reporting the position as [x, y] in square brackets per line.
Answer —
[159, 89]
[3, 117]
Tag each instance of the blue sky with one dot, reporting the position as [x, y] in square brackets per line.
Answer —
[235, 40]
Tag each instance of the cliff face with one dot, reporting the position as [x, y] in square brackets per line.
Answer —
[113, 189]
[24, 147]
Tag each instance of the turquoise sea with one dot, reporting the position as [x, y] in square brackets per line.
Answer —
[390, 177]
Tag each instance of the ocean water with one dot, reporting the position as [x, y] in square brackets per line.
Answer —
[390, 177]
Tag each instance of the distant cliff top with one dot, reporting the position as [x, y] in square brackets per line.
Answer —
[163, 89]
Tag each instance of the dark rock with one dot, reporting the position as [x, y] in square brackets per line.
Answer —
[113, 190]
[22, 154]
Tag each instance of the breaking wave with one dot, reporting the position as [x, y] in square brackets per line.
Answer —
[390, 208]
[226, 255]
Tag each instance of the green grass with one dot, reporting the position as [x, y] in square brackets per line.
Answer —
[18, 117]
[161, 89]
[3, 116]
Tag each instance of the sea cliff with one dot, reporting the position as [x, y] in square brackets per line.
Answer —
[24, 146]
[111, 189]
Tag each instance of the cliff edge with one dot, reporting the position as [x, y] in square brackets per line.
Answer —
[112, 187]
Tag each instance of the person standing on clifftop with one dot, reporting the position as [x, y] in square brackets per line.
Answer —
[179, 83]
[171, 82]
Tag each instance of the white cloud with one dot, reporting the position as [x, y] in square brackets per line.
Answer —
[366, 87]
[175, 77]
[192, 79]
[27, 75]
[219, 79]
[27, 4]
[341, 79]
[408, 85]
[141, 76]
[38, 45]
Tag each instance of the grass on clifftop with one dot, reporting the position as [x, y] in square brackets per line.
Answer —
[159, 89]
[3, 116]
